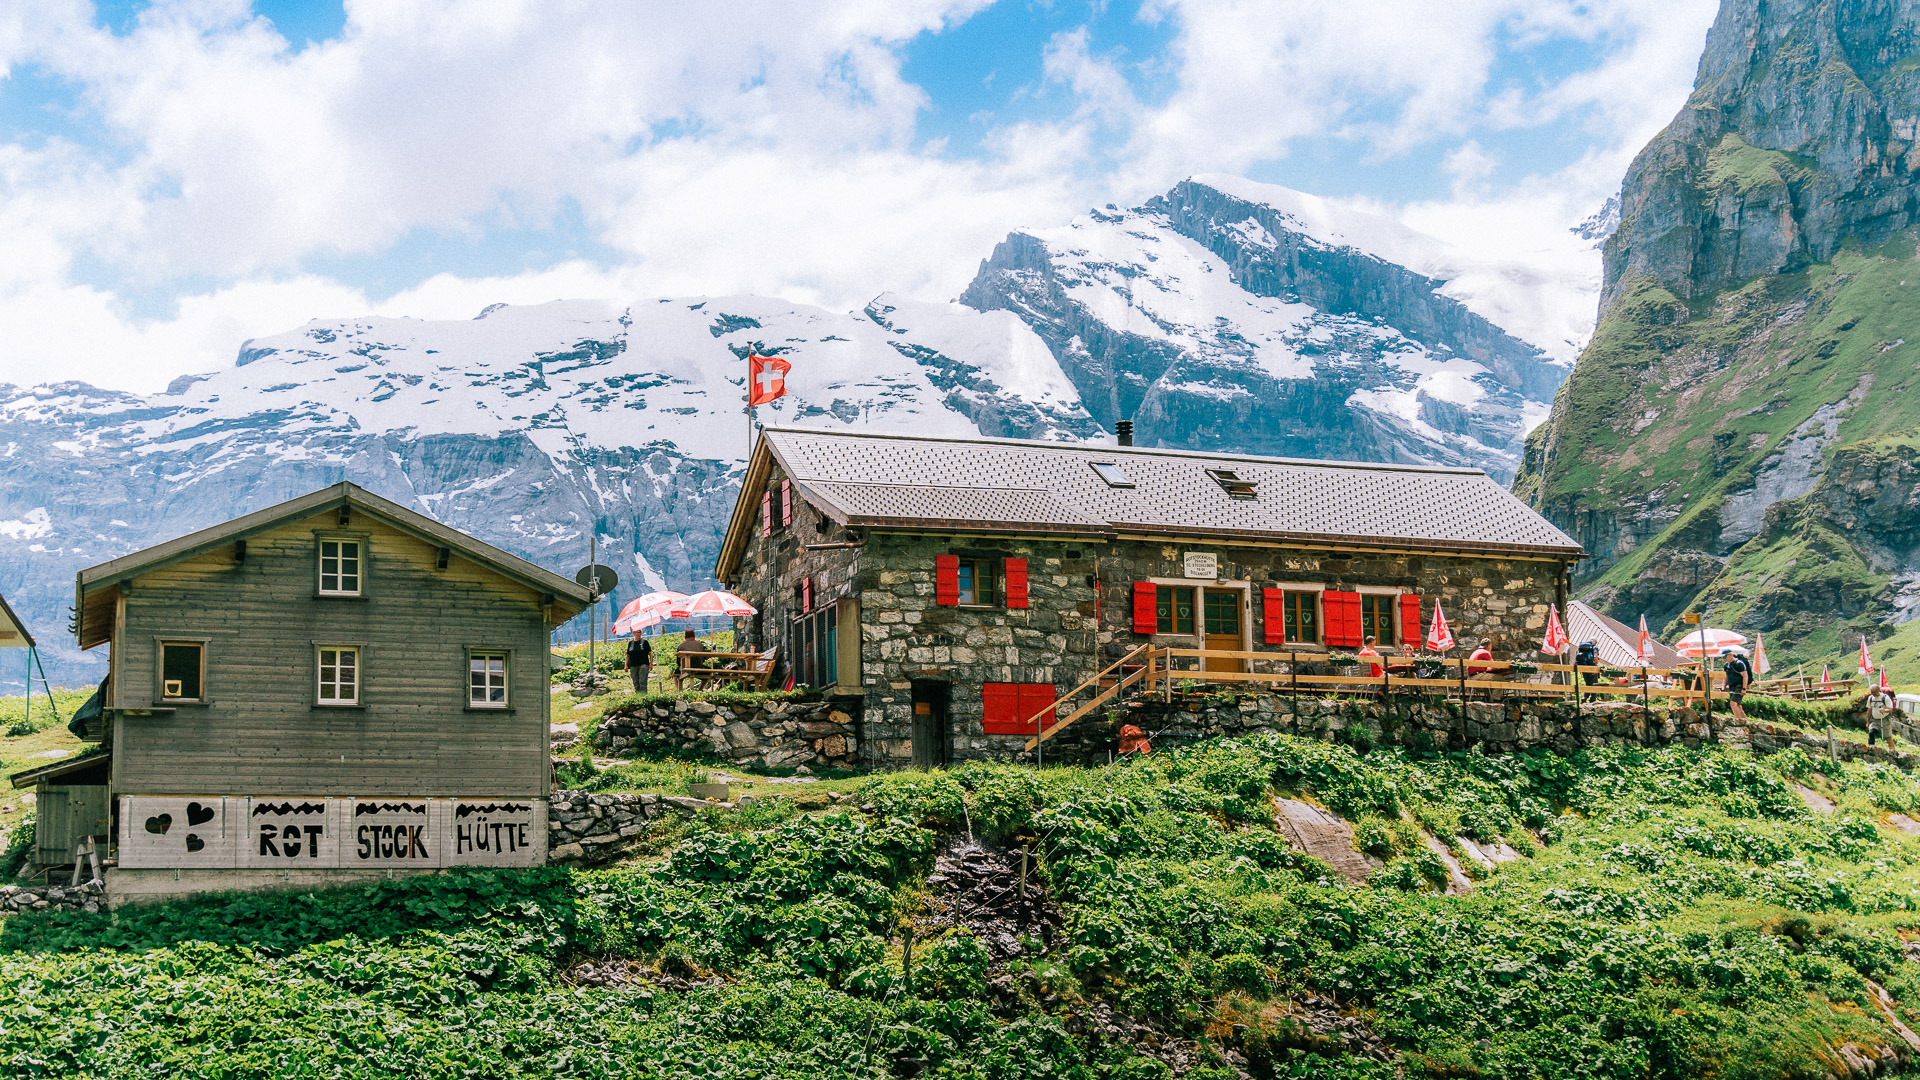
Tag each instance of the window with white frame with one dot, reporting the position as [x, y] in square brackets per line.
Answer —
[487, 680]
[340, 567]
[339, 675]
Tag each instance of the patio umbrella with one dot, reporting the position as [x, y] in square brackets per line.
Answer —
[1643, 649]
[1866, 661]
[1439, 637]
[1556, 641]
[649, 610]
[1708, 641]
[1761, 665]
[712, 602]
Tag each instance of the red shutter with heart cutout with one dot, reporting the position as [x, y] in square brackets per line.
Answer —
[1410, 620]
[1273, 616]
[1342, 611]
[1016, 575]
[946, 580]
[1146, 615]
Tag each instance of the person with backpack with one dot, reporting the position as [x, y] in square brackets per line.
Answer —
[1739, 675]
[1588, 655]
[639, 662]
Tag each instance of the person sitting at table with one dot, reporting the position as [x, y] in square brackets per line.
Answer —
[688, 644]
[1372, 656]
[1484, 652]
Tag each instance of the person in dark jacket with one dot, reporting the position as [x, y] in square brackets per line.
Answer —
[1739, 674]
[1588, 655]
[639, 662]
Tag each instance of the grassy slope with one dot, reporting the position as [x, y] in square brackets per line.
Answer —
[20, 752]
[1687, 917]
[1728, 379]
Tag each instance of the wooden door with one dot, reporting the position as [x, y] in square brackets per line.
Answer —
[1222, 617]
[932, 734]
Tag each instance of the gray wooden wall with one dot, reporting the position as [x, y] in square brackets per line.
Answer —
[262, 735]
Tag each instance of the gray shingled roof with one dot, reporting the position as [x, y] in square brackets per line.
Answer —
[1008, 485]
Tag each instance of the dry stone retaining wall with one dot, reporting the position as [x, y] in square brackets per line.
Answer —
[595, 827]
[776, 734]
[91, 896]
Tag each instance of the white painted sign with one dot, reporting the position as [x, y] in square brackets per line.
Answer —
[291, 832]
[174, 831]
[1202, 564]
[393, 832]
[497, 832]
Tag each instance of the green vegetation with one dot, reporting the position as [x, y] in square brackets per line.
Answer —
[28, 742]
[1684, 915]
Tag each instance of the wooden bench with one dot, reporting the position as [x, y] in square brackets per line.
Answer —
[751, 670]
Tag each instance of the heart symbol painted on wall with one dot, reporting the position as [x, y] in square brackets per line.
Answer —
[159, 825]
[198, 815]
[194, 843]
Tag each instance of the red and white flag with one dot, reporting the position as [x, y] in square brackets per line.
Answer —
[1644, 648]
[1439, 638]
[1556, 641]
[1866, 662]
[766, 378]
[1884, 688]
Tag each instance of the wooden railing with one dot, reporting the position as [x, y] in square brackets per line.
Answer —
[1145, 657]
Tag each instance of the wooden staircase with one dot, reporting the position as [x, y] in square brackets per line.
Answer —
[1146, 661]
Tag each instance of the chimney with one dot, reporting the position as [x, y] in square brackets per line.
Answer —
[1123, 431]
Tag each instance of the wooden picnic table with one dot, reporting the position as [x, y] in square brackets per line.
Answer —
[752, 670]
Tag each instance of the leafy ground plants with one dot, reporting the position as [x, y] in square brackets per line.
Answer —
[1684, 914]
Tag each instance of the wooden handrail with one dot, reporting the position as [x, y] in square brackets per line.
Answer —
[1090, 680]
[1103, 697]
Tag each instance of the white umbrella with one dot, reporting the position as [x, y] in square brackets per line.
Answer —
[711, 602]
[1708, 641]
[649, 610]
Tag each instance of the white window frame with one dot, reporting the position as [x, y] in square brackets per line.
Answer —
[320, 667]
[359, 562]
[1318, 589]
[505, 656]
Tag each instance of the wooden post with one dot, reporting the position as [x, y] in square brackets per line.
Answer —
[1463, 688]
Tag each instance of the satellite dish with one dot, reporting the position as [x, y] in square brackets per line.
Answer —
[599, 579]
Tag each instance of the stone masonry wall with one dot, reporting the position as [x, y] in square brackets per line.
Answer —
[595, 827]
[778, 734]
[89, 896]
[773, 566]
[1495, 727]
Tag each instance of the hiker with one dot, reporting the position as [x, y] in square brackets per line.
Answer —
[1880, 708]
[1372, 656]
[1588, 655]
[1134, 741]
[639, 662]
[688, 644]
[1739, 674]
[1484, 652]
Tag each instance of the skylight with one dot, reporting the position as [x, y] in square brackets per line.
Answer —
[1233, 485]
[1110, 471]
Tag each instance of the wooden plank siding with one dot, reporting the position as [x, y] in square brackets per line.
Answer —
[261, 732]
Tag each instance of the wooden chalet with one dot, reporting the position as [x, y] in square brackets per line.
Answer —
[333, 687]
[959, 585]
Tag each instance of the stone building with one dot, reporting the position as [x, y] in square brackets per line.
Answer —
[959, 585]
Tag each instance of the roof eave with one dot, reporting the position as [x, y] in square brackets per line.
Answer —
[1417, 544]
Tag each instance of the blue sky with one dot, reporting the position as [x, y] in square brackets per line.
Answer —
[176, 176]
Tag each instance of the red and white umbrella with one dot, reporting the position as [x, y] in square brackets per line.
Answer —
[1643, 649]
[649, 610]
[1761, 665]
[1826, 677]
[1556, 641]
[1708, 641]
[1439, 638]
[1866, 662]
[712, 602]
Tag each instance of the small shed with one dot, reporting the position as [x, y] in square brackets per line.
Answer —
[70, 804]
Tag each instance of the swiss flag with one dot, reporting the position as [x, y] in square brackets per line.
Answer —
[766, 379]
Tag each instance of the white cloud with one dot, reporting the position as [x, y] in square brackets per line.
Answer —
[711, 148]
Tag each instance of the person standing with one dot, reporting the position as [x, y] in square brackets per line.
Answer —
[639, 662]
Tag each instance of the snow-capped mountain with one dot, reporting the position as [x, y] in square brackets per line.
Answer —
[1233, 315]
[1222, 315]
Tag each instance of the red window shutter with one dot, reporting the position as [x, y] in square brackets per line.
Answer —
[1273, 615]
[946, 580]
[1342, 618]
[806, 594]
[1016, 575]
[1034, 698]
[1001, 701]
[766, 513]
[1008, 708]
[1410, 635]
[1146, 596]
[786, 502]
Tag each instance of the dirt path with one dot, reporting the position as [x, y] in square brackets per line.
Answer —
[1815, 801]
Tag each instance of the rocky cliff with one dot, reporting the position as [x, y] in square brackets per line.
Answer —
[1724, 438]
